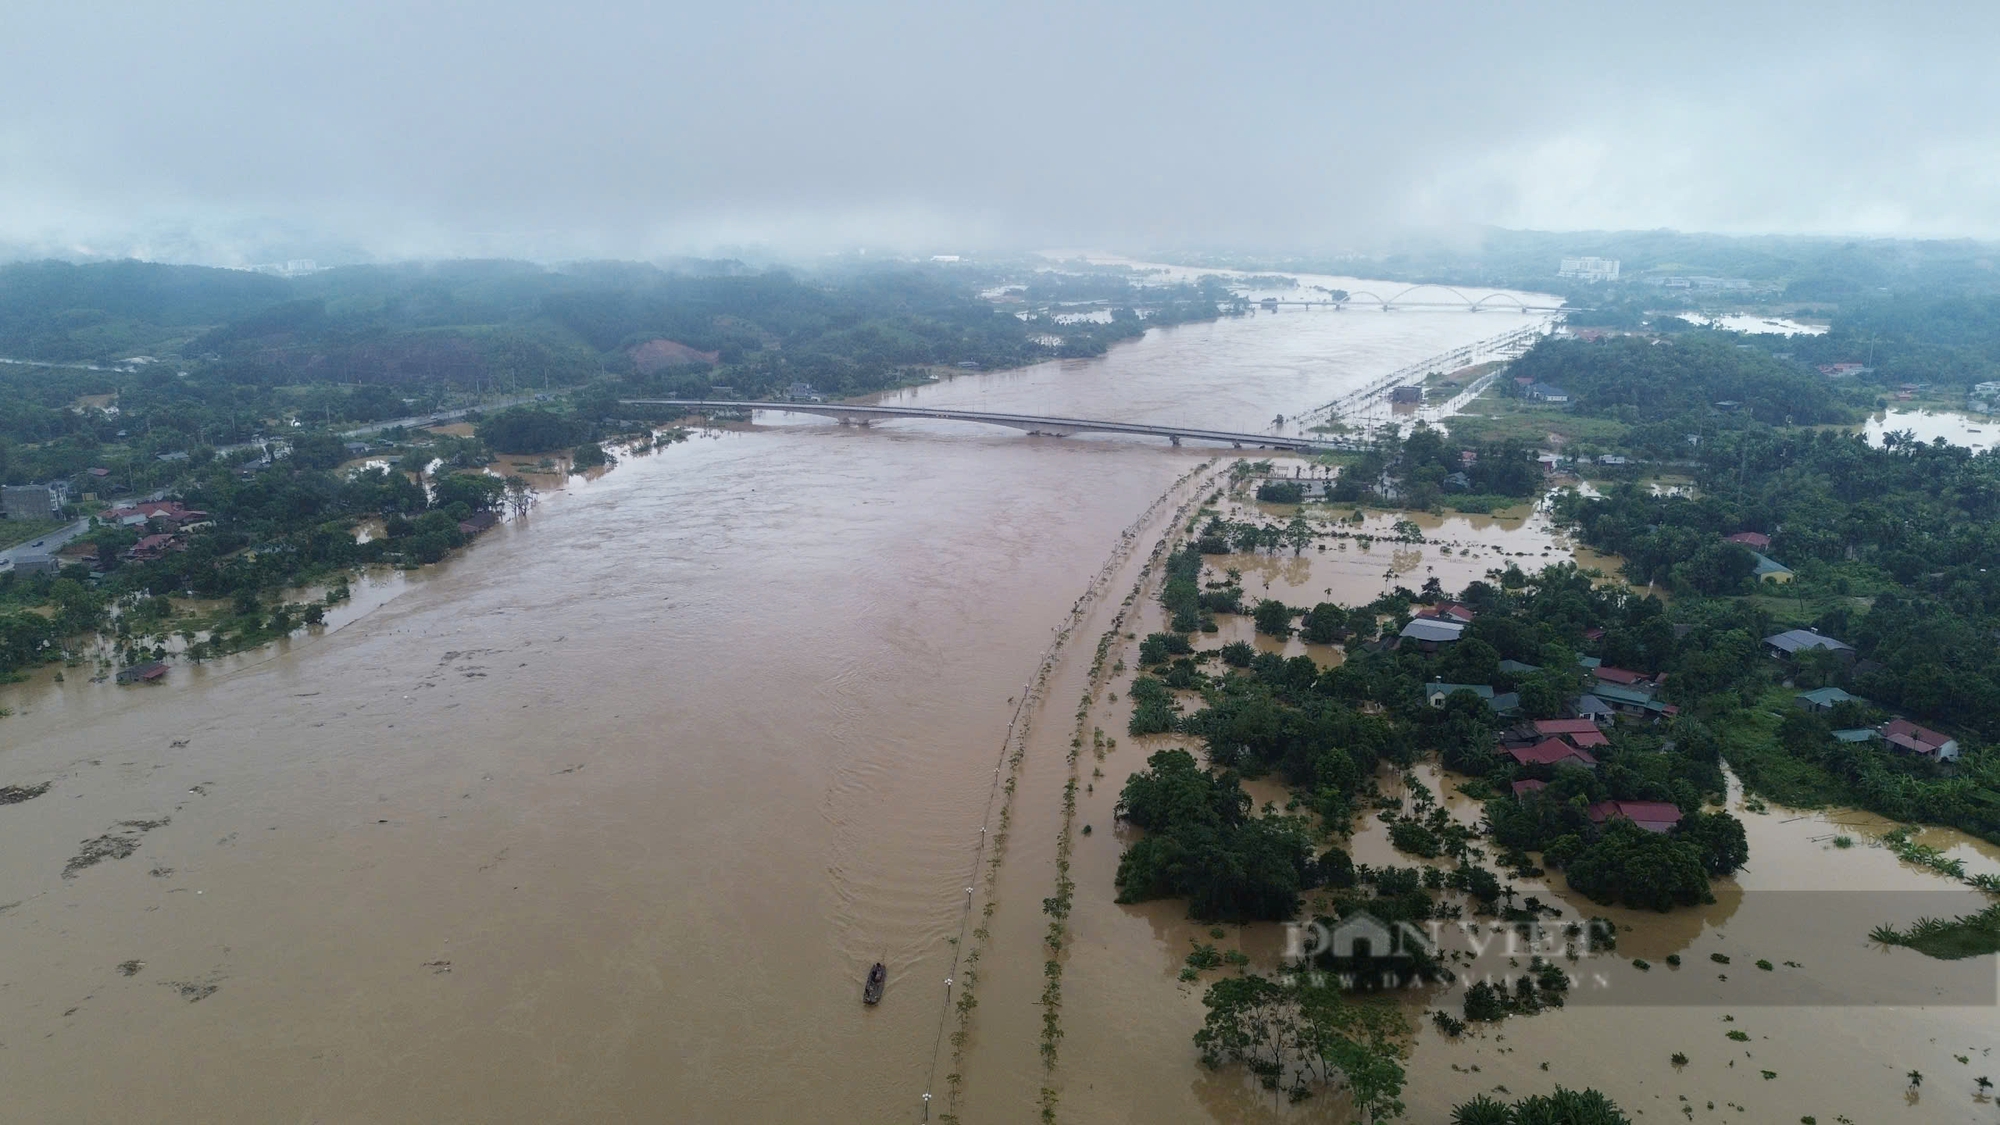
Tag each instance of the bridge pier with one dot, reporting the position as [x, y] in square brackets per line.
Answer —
[1176, 439]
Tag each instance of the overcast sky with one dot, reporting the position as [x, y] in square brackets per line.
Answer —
[221, 131]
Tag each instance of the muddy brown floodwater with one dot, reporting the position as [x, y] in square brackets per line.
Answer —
[1803, 904]
[607, 817]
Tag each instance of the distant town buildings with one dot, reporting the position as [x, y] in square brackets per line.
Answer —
[1698, 281]
[1589, 269]
[291, 267]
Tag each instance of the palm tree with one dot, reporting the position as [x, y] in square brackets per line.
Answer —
[1481, 1110]
[1984, 1083]
[1916, 1078]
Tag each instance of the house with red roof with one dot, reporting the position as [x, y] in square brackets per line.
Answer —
[1906, 735]
[1580, 733]
[1523, 788]
[1550, 752]
[1446, 611]
[1755, 540]
[150, 673]
[1564, 726]
[1653, 816]
[169, 513]
[1625, 678]
[151, 547]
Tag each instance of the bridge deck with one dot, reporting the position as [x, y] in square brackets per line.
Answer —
[1032, 423]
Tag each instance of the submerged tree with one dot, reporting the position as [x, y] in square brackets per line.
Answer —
[1273, 617]
[1563, 1107]
[1301, 1037]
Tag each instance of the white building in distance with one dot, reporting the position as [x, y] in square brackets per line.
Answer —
[1589, 269]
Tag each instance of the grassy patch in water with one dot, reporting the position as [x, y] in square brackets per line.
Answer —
[1482, 505]
[1968, 935]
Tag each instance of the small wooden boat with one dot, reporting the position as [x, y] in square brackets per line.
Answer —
[877, 977]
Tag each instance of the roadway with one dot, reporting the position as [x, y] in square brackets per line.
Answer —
[435, 418]
[855, 414]
[46, 545]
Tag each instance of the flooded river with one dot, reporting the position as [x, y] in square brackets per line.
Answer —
[606, 817]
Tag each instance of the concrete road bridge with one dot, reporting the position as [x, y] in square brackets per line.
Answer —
[854, 414]
[1434, 296]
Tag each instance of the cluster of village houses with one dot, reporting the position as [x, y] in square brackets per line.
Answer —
[1620, 692]
[163, 526]
[166, 523]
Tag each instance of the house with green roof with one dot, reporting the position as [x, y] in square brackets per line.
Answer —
[1770, 569]
[1630, 701]
[1435, 694]
[1824, 699]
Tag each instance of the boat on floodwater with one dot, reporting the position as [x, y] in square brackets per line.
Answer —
[878, 976]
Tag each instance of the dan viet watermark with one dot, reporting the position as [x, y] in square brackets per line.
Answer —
[1776, 948]
[1362, 952]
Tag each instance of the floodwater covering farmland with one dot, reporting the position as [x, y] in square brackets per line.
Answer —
[607, 817]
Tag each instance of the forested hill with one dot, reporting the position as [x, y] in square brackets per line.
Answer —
[234, 352]
[59, 311]
[896, 313]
